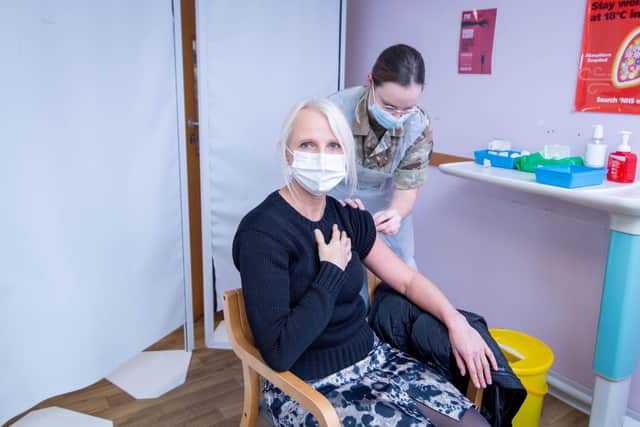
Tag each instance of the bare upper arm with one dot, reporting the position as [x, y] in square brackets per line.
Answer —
[385, 264]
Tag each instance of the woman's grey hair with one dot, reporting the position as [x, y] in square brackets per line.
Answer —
[340, 128]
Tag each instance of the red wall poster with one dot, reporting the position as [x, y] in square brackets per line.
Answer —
[476, 41]
[609, 70]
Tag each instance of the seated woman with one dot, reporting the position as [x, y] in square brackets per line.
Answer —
[300, 255]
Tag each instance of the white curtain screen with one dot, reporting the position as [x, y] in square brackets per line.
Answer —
[90, 225]
[256, 60]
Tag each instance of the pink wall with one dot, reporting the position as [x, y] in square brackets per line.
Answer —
[525, 262]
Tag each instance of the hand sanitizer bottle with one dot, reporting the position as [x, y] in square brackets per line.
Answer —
[596, 154]
[622, 163]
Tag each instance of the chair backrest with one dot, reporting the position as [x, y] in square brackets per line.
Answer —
[369, 283]
[372, 283]
[236, 316]
[238, 327]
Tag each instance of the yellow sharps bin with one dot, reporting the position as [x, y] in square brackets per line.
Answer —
[530, 360]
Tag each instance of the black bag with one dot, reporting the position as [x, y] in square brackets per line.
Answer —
[403, 325]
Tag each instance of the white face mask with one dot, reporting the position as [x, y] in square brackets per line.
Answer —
[317, 173]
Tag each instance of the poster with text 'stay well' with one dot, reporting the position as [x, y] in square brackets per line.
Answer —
[609, 70]
[476, 41]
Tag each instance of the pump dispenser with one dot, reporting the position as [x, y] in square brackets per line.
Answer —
[596, 154]
[624, 142]
[622, 163]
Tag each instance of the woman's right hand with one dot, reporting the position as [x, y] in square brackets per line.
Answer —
[471, 352]
[337, 251]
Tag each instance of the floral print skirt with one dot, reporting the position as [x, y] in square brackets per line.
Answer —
[380, 390]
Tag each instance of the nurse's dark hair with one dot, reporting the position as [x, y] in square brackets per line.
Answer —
[400, 64]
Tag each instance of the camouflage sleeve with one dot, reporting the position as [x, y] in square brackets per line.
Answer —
[412, 170]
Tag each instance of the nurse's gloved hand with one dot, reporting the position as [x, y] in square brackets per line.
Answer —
[354, 203]
[387, 221]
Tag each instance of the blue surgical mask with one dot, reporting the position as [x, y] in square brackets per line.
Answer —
[385, 118]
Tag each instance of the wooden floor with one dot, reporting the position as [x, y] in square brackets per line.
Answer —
[211, 396]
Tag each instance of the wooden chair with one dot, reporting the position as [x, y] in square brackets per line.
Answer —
[254, 367]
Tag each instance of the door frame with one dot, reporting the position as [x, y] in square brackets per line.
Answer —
[192, 137]
[182, 162]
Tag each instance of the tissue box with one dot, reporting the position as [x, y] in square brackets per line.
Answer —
[495, 159]
[570, 176]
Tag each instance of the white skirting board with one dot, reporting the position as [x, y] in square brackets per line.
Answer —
[151, 374]
[60, 417]
[219, 339]
[579, 397]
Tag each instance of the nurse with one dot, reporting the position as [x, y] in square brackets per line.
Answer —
[393, 144]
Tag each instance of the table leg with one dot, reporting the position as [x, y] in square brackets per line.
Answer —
[618, 339]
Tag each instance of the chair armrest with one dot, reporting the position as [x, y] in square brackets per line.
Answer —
[475, 395]
[289, 383]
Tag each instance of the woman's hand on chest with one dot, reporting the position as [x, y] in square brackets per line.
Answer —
[337, 251]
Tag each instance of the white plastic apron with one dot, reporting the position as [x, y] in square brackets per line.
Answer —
[375, 189]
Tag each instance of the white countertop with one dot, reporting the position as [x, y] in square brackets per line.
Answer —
[615, 198]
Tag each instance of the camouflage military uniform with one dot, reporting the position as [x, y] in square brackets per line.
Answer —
[378, 153]
[386, 160]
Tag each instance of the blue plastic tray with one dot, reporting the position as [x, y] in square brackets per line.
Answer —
[495, 159]
[570, 176]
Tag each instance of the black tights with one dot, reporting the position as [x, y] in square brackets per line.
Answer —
[471, 418]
